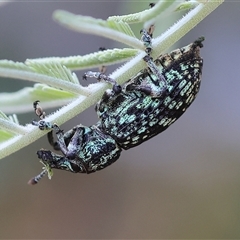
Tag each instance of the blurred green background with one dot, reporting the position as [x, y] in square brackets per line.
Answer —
[184, 183]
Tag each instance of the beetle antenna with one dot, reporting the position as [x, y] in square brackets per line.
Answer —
[36, 179]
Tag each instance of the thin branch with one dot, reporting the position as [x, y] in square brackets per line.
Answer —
[12, 127]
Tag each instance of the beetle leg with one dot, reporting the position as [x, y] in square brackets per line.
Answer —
[102, 77]
[54, 160]
[67, 137]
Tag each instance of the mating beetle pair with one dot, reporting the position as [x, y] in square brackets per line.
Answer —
[129, 115]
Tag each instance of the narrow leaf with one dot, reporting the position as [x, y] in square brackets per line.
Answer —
[53, 69]
[116, 30]
[14, 65]
[66, 18]
[4, 135]
[3, 115]
[21, 101]
[160, 9]
[92, 60]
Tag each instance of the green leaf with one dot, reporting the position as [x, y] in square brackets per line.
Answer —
[116, 30]
[51, 73]
[13, 118]
[86, 23]
[3, 115]
[14, 65]
[21, 101]
[186, 5]
[92, 60]
[121, 27]
[161, 8]
[9, 126]
[53, 69]
[4, 135]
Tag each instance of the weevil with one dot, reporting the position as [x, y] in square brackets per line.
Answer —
[128, 115]
[152, 100]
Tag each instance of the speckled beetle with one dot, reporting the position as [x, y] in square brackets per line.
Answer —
[152, 100]
[129, 115]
